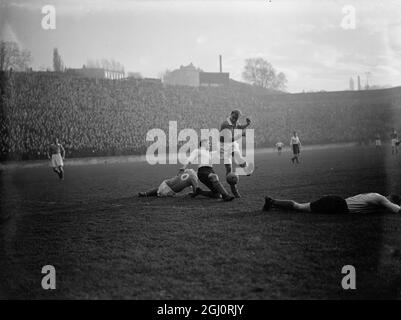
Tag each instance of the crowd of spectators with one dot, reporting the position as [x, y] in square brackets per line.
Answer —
[99, 117]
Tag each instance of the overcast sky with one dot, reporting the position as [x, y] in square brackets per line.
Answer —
[304, 39]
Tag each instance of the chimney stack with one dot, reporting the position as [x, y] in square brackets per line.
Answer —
[221, 67]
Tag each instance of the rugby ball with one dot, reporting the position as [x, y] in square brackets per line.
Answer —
[232, 178]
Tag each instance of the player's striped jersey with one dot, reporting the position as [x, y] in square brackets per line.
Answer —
[370, 203]
[183, 180]
[295, 140]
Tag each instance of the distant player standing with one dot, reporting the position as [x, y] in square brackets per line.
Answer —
[170, 187]
[56, 155]
[296, 147]
[378, 142]
[279, 146]
[394, 142]
[230, 147]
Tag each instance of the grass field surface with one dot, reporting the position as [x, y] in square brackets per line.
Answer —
[105, 242]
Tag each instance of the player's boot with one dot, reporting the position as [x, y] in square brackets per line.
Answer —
[219, 187]
[197, 192]
[268, 204]
[235, 191]
[228, 198]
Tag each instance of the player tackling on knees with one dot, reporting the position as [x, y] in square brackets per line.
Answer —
[360, 203]
[56, 155]
[170, 187]
[230, 148]
[203, 157]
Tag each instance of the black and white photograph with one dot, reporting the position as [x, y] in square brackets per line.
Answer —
[221, 150]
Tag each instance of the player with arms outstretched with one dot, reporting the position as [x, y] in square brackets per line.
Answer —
[230, 147]
[56, 155]
[170, 187]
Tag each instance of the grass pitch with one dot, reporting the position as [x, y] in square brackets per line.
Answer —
[106, 243]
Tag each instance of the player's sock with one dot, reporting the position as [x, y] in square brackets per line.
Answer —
[235, 191]
[220, 188]
[149, 193]
[283, 204]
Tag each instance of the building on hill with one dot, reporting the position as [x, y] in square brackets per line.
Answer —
[184, 76]
[214, 79]
[96, 73]
[195, 77]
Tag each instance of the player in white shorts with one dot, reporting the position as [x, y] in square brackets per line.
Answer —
[360, 203]
[395, 142]
[56, 155]
[378, 141]
[170, 187]
[230, 148]
[279, 146]
[295, 143]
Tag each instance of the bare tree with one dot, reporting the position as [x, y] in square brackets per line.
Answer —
[280, 83]
[11, 56]
[260, 72]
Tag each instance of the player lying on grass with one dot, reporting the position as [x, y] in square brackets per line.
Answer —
[203, 158]
[360, 203]
[170, 187]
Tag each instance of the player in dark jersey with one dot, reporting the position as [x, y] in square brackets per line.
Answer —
[56, 155]
[170, 187]
[395, 142]
[230, 147]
